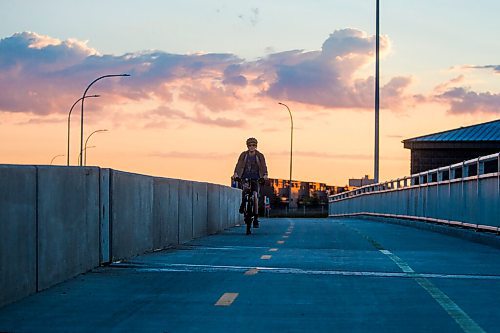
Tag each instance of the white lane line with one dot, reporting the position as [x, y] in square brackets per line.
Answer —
[226, 299]
[280, 242]
[404, 266]
[266, 257]
[285, 236]
[288, 270]
[205, 248]
[252, 271]
[273, 250]
[463, 320]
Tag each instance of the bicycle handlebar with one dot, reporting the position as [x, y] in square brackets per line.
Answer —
[260, 180]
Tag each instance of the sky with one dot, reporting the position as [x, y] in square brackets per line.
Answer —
[206, 75]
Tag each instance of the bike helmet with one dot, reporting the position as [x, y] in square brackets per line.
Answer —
[251, 140]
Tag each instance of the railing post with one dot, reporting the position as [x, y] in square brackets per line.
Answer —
[465, 170]
[480, 167]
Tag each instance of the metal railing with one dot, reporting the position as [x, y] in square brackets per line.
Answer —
[465, 194]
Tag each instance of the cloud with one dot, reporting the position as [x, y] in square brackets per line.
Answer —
[495, 68]
[42, 75]
[463, 100]
[329, 77]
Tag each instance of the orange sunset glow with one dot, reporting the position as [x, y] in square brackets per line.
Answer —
[187, 115]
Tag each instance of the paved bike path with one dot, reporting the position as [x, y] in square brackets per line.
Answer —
[291, 275]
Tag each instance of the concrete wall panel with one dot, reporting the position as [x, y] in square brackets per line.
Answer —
[165, 212]
[161, 188]
[173, 212]
[132, 214]
[224, 209]
[17, 232]
[185, 211]
[213, 209]
[105, 227]
[68, 223]
[200, 210]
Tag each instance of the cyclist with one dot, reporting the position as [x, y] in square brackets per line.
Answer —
[251, 165]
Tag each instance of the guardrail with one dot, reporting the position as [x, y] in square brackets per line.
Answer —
[464, 194]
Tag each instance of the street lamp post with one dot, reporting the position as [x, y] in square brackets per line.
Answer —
[377, 96]
[69, 117]
[53, 158]
[85, 150]
[291, 149]
[83, 99]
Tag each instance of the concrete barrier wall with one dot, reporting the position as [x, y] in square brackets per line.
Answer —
[131, 214]
[17, 232]
[165, 213]
[200, 209]
[58, 222]
[68, 223]
[105, 216]
[474, 200]
[185, 211]
[213, 209]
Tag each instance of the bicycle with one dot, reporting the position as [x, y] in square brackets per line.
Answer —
[248, 203]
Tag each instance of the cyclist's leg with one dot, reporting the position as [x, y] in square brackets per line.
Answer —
[255, 203]
[242, 205]
[255, 197]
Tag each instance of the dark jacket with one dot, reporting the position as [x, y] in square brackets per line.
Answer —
[261, 162]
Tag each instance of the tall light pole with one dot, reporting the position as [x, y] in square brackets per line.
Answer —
[291, 149]
[377, 97]
[69, 117]
[83, 99]
[85, 150]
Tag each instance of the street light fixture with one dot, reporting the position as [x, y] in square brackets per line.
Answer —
[85, 150]
[83, 99]
[53, 158]
[69, 116]
[291, 149]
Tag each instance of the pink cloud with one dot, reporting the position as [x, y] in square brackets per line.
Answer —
[43, 75]
[327, 77]
[463, 100]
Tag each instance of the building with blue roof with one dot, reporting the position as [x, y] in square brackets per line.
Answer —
[436, 150]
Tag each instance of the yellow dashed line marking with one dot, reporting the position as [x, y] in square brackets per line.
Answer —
[227, 299]
[252, 271]
[266, 257]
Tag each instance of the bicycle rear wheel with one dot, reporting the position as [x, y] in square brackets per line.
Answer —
[248, 214]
